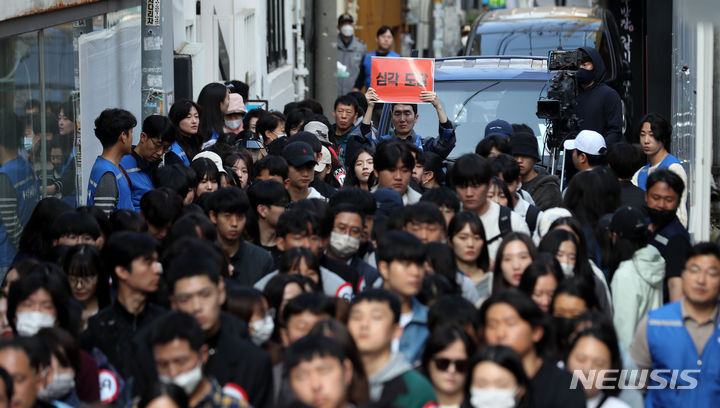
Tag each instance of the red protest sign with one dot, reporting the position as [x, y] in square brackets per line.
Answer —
[400, 80]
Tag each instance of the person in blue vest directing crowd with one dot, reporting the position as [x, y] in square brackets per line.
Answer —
[684, 336]
[156, 138]
[109, 185]
[384, 40]
[19, 189]
[654, 136]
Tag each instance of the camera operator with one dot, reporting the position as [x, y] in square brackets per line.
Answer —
[598, 106]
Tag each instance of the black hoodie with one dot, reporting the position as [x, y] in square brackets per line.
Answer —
[599, 106]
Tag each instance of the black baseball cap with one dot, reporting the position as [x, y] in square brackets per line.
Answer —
[298, 154]
[629, 222]
[345, 18]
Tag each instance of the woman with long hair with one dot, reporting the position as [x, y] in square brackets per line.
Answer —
[515, 253]
[89, 282]
[360, 169]
[185, 116]
[497, 379]
[214, 100]
[540, 280]
[445, 362]
[466, 236]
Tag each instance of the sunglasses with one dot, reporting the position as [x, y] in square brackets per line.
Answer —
[443, 364]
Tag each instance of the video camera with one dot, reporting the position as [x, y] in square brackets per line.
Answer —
[557, 107]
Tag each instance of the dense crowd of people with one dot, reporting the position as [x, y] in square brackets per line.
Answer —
[258, 258]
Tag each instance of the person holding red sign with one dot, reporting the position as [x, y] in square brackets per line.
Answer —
[404, 118]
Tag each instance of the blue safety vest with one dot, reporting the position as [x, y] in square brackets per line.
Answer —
[643, 174]
[417, 142]
[672, 348]
[72, 197]
[101, 167]
[175, 148]
[27, 192]
[140, 180]
[367, 64]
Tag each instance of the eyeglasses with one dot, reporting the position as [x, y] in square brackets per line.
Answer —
[443, 364]
[86, 280]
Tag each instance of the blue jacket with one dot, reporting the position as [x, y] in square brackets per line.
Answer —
[27, 191]
[140, 173]
[671, 348]
[101, 167]
[175, 148]
[643, 172]
[414, 334]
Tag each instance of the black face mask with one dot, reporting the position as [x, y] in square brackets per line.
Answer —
[584, 76]
[660, 218]
[564, 327]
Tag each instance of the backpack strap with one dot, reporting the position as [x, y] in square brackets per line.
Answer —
[504, 222]
[531, 217]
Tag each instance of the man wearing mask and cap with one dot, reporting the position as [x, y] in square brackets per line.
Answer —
[350, 54]
[599, 107]
[235, 113]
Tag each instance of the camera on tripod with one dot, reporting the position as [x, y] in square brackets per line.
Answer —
[557, 107]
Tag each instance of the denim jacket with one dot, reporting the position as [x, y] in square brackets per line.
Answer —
[413, 337]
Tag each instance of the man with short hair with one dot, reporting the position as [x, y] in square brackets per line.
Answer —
[157, 135]
[425, 221]
[131, 259]
[471, 178]
[373, 322]
[19, 189]
[109, 184]
[160, 208]
[18, 356]
[301, 171]
[404, 119]
[664, 189]
[393, 167]
[226, 209]
[198, 289]
[268, 200]
[180, 354]
[543, 187]
[683, 336]
[351, 51]
[271, 167]
[445, 199]
[401, 263]
[319, 372]
[588, 150]
[345, 113]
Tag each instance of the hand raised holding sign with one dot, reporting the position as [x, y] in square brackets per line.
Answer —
[429, 97]
[371, 96]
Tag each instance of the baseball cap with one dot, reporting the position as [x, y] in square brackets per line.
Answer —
[236, 104]
[465, 29]
[325, 160]
[588, 142]
[212, 156]
[629, 222]
[298, 154]
[499, 127]
[345, 18]
[388, 201]
[318, 129]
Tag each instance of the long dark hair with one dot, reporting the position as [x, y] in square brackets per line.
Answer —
[442, 259]
[212, 120]
[440, 339]
[35, 239]
[350, 176]
[189, 143]
[458, 222]
[528, 311]
[507, 358]
[606, 335]
[499, 281]
[544, 264]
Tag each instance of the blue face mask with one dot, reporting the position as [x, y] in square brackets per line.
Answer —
[584, 76]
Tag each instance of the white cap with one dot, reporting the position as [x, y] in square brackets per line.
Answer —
[318, 129]
[588, 142]
[212, 156]
[325, 160]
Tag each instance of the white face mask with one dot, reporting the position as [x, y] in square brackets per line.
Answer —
[60, 386]
[29, 323]
[343, 245]
[262, 330]
[347, 30]
[233, 124]
[492, 398]
[463, 41]
[187, 381]
[568, 270]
